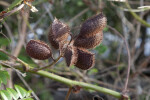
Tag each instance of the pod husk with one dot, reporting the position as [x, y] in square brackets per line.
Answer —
[38, 49]
[89, 42]
[85, 60]
[59, 32]
[93, 25]
[70, 55]
[54, 43]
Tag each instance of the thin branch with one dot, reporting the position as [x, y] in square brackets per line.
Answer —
[78, 15]
[129, 59]
[136, 16]
[65, 80]
[11, 12]
[45, 67]
[68, 93]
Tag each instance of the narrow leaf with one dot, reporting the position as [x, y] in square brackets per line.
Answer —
[13, 93]
[21, 91]
[28, 99]
[3, 77]
[5, 95]
[28, 93]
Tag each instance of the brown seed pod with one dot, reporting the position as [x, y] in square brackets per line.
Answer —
[89, 42]
[70, 55]
[59, 30]
[53, 41]
[38, 49]
[93, 25]
[85, 59]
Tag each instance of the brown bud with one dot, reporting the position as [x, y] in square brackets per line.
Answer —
[70, 55]
[38, 49]
[85, 59]
[93, 25]
[89, 42]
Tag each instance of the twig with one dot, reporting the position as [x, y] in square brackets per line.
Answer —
[4, 3]
[68, 93]
[45, 67]
[65, 80]
[129, 59]
[12, 11]
[136, 16]
[78, 15]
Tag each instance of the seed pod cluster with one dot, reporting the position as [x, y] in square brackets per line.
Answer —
[76, 53]
[38, 49]
[91, 33]
[59, 33]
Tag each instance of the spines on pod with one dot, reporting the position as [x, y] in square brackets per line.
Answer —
[89, 42]
[93, 25]
[85, 60]
[59, 32]
[38, 49]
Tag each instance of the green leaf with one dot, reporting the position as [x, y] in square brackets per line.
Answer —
[21, 91]
[5, 95]
[92, 71]
[3, 56]
[13, 93]
[101, 49]
[28, 99]
[4, 42]
[28, 93]
[1, 66]
[6, 74]
[3, 77]
[106, 29]
[15, 3]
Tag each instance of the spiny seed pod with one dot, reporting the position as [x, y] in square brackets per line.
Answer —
[89, 42]
[59, 30]
[70, 55]
[85, 59]
[38, 49]
[53, 41]
[93, 25]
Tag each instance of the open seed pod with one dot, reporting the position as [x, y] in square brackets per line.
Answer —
[53, 41]
[59, 32]
[93, 25]
[70, 55]
[38, 49]
[89, 42]
[85, 59]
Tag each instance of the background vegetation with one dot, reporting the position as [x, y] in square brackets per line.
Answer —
[111, 66]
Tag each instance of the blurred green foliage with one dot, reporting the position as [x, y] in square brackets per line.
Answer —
[101, 49]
